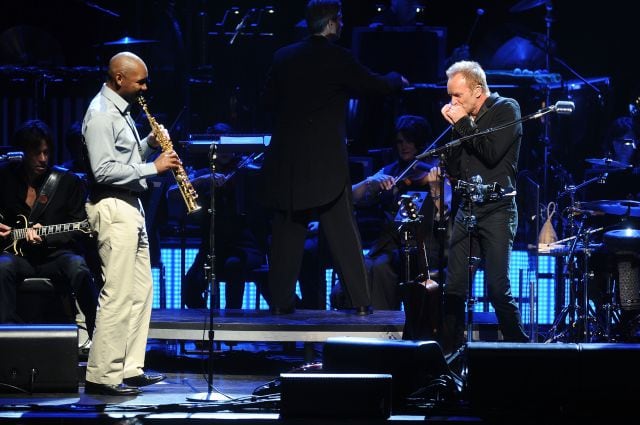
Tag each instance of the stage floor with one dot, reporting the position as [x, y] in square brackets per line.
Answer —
[514, 383]
[238, 370]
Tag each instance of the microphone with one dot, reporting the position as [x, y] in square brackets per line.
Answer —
[564, 107]
[12, 157]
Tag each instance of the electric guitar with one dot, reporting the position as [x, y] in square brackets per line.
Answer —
[12, 243]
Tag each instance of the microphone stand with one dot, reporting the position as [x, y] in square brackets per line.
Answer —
[211, 394]
[442, 236]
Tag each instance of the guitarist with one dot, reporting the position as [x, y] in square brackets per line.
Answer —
[32, 198]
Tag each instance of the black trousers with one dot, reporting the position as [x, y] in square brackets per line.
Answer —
[492, 241]
[67, 270]
[289, 231]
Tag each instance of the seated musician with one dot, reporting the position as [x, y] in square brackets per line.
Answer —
[620, 148]
[29, 200]
[384, 259]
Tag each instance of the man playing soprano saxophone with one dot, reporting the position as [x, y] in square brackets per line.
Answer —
[118, 172]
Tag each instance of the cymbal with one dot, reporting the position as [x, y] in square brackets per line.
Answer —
[127, 40]
[517, 52]
[623, 207]
[607, 162]
[523, 5]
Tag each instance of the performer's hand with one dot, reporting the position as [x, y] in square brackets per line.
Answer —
[4, 230]
[452, 113]
[434, 177]
[32, 237]
[151, 139]
[167, 161]
[382, 181]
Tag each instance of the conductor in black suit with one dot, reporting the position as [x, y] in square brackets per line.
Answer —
[306, 171]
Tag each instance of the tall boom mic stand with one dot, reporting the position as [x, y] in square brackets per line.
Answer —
[211, 394]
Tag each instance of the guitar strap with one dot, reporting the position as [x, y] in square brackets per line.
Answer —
[45, 195]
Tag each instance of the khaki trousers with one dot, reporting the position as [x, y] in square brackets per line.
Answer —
[125, 301]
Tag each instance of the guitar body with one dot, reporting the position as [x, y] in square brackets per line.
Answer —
[18, 234]
[12, 245]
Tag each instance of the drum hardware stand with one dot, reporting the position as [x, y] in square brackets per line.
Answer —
[574, 311]
[611, 310]
[578, 312]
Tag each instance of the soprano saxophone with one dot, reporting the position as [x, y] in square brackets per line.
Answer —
[187, 191]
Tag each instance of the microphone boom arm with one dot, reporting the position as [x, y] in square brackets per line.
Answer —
[561, 107]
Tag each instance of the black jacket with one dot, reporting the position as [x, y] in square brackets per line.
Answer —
[66, 206]
[308, 88]
[493, 157]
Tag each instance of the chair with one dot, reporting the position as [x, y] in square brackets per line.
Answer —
[39, 301]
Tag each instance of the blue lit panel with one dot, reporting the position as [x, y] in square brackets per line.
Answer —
[171, 258]
[521, 274]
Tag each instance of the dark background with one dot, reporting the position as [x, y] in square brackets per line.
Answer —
[53, 57]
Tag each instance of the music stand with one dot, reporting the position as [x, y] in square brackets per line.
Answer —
[211, 394]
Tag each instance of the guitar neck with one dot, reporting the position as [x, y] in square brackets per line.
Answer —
[46, 230]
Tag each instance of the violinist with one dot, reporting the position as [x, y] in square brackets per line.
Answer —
[383, 190]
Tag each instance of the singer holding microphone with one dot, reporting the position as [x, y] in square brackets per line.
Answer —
[493, 157]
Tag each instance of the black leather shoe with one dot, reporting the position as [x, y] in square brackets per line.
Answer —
[363, 310]
[107, 389]
[144, 379]
[277, 311]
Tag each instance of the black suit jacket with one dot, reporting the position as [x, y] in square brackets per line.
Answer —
[308, 88]
[66, 206]
[493, 157]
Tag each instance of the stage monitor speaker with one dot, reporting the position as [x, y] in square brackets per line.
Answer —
[344, 396]
[561, 377]
[412, 364]
[610, 374]
[38, 358]
[514, 374]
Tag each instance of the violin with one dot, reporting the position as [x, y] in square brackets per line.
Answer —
[414, 175]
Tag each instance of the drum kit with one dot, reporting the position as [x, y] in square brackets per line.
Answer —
[601, 266]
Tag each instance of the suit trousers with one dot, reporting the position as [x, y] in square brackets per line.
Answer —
[125, 301]
[287, 248]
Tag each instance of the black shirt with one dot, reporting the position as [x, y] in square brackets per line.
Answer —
[65, 206]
